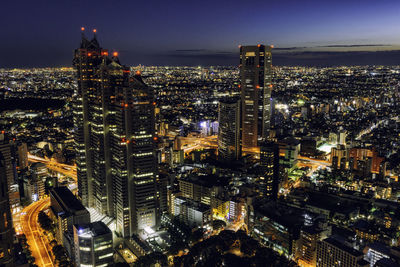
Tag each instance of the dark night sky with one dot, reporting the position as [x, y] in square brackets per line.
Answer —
[175, 32]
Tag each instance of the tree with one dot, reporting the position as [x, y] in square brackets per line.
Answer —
[152, 259]
[45, 221]
[196, 236]
[218, 225]
[249, 246]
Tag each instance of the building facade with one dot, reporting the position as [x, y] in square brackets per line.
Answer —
[256, 84]
[93, 245]
[66, 211]
[6, 228]
[229, 147]
[331, 252]
[115, 140]
[269, 161]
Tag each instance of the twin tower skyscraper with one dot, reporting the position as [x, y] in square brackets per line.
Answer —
[114, 131]
[115, 140]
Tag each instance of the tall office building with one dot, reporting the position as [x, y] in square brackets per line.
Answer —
[86, 61]
[229, 129]
[93, 245]
[269, 161]
[256, 85]
[12, 187]
[115, 140]
[6, 231]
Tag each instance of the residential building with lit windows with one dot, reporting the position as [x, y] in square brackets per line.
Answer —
[255, 84]
[331, 252]
[115, 140]
[306, 248]
[93, 245]
[277, 225]
[6, 227]
[191, 212]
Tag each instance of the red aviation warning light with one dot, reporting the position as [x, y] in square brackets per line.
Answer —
[94, 30]
[115, 54]
[258, 45]
[83, 28]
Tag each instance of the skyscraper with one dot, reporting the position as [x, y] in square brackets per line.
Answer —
[6, 232]
[256, 85]
[115, 140]
[269, 161]
[12, 189]
[229, 129]
[86, 61]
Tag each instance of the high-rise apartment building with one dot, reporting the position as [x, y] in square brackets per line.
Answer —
[6, 228]
[229, 129]
[256, 85]
[115, 140]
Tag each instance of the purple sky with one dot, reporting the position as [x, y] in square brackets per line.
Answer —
[44, 33]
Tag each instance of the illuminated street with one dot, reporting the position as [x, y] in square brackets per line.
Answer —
[30, 226]
[65, 169]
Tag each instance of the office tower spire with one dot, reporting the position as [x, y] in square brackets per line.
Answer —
[256, 84]
[115, 140]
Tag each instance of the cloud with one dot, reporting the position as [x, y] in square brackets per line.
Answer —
[354, 45]
[190, 50]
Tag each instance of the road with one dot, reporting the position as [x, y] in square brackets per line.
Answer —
[30, 227]
[65, 169]
[374, 125]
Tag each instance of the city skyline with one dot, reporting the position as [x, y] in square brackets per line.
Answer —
[241, 133]
[205, 33]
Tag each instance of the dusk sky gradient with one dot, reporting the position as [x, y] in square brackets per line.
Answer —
[45, 33]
